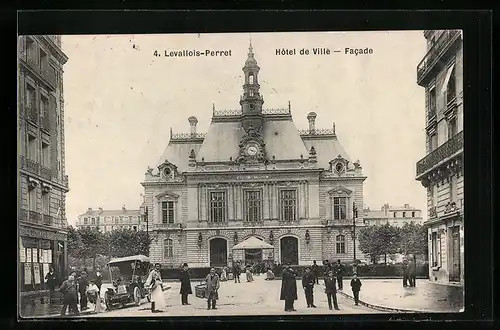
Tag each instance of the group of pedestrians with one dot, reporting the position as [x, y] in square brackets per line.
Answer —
[409, 273]
[78, 289]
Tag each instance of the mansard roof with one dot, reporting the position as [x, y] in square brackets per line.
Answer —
[177, 153]
[327, 148]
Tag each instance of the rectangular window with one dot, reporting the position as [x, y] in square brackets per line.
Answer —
[30, 48]
[434, 195]
[45, 154]
[253, 205]
[432, 102]
[395, 214]
[85, 221]
[32, 148]
[93, 221]
[167, 209]
[46, 203]
[168, 249]
[116, 220]
[404, 214]
[217, 206]
[32, 199]
[452, 128]
[30, 97]
[433, 142]
[288, 205]
[451, 91]
[340, 244]
[453, 189]
[434, 249]
[44, 106]
[340, 208]
[413, 214]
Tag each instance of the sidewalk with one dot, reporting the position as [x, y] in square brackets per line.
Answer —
[425, 297]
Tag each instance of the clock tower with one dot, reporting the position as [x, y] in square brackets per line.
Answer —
[251, 145]
[251, 101]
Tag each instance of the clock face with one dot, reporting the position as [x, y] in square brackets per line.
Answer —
[252, 150]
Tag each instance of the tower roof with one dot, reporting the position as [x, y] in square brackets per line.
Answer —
[251, 61]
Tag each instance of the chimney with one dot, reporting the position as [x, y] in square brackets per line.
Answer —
[407, 206]
[100, 209]
[192, 122]
[123, 208]
[311, 117]
[89, 209]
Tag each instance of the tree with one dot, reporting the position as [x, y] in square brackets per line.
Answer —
[413, 239]
[75, 244]
[378, 240]
[93, 243]
[388, 236]
[126, 242]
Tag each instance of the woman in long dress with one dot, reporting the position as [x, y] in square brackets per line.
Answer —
[155, 285]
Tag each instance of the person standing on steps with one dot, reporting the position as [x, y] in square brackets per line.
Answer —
[340, 274]
[356, 287]
[185, 284]
[331, 290]
[288, 288]
[155, 284]
[308, 282]
[212, 290]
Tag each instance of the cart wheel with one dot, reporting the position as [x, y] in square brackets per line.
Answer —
[137, 296]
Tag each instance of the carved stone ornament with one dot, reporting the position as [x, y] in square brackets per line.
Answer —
[340, 191]
[149, 170]
[167, 195]
[339, 165]
[167, 170]
[46, 188]
[32, 183]
[252, 148]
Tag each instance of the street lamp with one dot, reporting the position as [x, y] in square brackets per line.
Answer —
[354, 217]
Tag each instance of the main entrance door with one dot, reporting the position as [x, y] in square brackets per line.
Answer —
[455, 254]
[289, 250]
[218, 252]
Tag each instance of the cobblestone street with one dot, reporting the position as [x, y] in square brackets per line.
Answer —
[257, 298]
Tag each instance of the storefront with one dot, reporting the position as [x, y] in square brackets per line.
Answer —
[39, 250]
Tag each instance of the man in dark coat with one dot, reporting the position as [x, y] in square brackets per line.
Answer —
[82, 289]
[185, 284]
[356, 287]
[288, 288]
[406, 275]
[236, 272]
[70, 296]
[331, 290]
[308, 281]
[340, 274]
[315, 271]
[411, 272]
[51, 282]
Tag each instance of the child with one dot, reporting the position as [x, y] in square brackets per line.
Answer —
[356, 287]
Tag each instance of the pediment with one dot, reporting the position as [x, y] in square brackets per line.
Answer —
[340, 191]
[167, 195]
[166, 164]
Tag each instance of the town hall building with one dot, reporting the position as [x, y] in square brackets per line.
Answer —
[253, 188]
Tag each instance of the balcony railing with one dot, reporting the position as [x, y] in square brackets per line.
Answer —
[48, 220]
[253, 223]
[32, 166]
[34, 217]
[217, 224]
[317, 131]
[167, 226]
[46, 172]
[446, 150]
[341, 222]
[185, 136]
[435, 52]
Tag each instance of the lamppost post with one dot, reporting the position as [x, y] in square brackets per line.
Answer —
[354, 216]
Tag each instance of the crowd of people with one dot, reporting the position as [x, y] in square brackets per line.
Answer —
[80, 289]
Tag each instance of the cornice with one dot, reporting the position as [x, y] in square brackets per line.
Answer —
[61, 57]
[43, 180]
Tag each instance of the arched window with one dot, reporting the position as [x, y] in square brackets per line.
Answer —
[250, 79]
[168, 248]
[340, 244]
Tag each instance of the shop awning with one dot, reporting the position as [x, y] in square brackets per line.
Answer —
[252, 243]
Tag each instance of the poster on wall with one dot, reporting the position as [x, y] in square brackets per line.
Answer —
[45, 270]
[27, 273]
[41, 254]
[46, 256]
[36, 270]
[28, 255]
[35, 255]
[22, 254]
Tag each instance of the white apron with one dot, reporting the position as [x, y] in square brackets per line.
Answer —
[157, 295]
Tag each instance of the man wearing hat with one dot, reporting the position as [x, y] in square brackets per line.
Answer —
[185, 284]
[212, 290]
[288, 288]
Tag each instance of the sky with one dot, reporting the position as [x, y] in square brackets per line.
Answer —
[121, 100]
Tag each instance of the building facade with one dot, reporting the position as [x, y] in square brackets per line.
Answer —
[109, 220]
[393, 215]
[42, 181]
[441, 74]
[253, 175]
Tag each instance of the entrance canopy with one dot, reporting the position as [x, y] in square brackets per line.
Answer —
[252, 243]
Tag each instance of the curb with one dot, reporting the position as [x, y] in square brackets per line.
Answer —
[379, 307]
